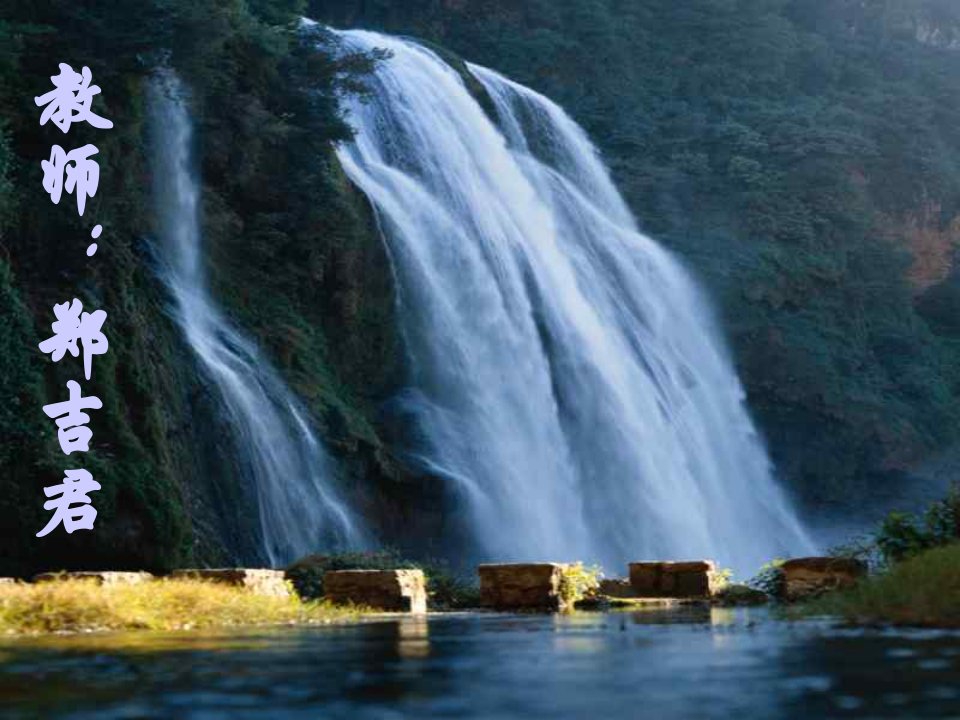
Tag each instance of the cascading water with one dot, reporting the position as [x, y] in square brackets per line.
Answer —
[300, 511]
[567, 376]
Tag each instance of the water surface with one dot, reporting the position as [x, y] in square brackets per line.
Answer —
[704, 663]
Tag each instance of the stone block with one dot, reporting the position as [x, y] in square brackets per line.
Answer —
[259, 581]
[690, 579]
[105, 578]
[392, 590]
[519, 586]
[616, 588]
[811, 576]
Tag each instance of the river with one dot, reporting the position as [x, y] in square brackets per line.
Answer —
[698, 662]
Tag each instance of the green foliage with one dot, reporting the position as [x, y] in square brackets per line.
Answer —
[722, 578]
[923, 590]
[918, 582]
[7, 190]
[899, 537]
[903, 536]
[863, 548]
[20, 382]
[769, 579]
[578, 582]
[448, 589]
[739, 595]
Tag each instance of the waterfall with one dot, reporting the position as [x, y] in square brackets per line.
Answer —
[300, 510]
[567, 377]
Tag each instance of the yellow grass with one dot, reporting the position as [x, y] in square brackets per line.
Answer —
[83, 605]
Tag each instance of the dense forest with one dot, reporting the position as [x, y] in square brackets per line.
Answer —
[803, 157]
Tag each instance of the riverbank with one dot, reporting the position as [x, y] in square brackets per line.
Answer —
[922, 591]
[162, 604]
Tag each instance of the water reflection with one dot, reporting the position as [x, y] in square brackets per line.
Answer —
[413, 637]
[579, 633]
[680, 663]
[915, 675]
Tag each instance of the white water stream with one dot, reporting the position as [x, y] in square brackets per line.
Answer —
[567, 375]
[300, 510]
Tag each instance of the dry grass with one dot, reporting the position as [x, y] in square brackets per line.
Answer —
[922, 591]
[83, 605]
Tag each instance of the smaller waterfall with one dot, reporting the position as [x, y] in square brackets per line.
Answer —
[300, 511]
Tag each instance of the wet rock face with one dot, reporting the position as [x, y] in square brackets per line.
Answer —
[391, 590]
[693, 579]
[534, 586]
[811, 576]
[100, 578]
[259, 581]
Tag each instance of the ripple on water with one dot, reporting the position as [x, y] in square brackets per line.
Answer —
[666, 664]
